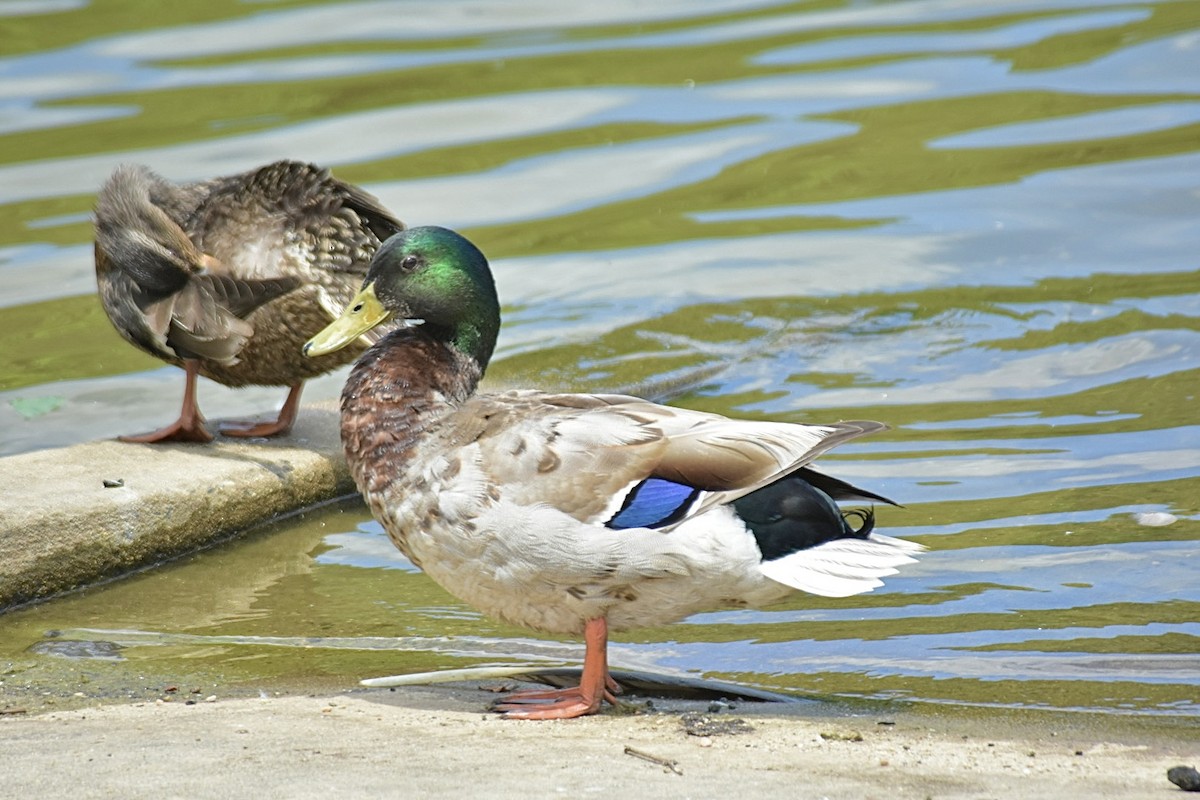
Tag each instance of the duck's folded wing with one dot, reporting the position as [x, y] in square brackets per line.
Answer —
[380, 220]
[626, 463]
[239, 296]
[206, 318]
[571, 452]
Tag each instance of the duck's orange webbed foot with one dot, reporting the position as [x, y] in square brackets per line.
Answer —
[595, 685]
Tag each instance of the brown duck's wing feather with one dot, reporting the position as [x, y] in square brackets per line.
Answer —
[257, 222]
[206, 318]
[381, 221]
[239, 297]
[199, 328]
[583, 453]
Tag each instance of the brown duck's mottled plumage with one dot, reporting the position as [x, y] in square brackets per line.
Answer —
[228, 277]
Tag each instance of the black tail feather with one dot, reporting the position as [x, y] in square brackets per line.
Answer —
[839, 489]
[798, 512]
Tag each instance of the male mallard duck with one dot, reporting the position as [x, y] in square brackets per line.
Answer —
[576, 513]
[227, 277]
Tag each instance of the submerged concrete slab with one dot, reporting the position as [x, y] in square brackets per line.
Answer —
[77, 515]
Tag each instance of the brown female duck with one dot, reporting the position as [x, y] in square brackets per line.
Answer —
[228, 277]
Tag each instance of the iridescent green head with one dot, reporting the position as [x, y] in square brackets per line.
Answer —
[428, 276]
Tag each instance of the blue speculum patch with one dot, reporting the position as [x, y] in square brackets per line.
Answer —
[653, 503]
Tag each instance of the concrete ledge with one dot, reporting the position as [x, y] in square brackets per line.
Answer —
[62, 528]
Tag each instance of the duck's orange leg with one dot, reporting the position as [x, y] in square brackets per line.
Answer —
[595, 685]
[287, 417]
[190, 425]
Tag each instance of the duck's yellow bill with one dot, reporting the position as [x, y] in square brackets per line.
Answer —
[364, 312]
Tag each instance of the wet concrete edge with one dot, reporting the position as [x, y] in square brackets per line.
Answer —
[78, 515]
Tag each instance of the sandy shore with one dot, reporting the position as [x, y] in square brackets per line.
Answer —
[438, 742]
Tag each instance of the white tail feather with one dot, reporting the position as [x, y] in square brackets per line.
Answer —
[842, 567]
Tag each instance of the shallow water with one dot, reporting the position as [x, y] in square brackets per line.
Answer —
[976, 224]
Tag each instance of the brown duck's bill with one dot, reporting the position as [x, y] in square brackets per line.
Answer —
[362, 314]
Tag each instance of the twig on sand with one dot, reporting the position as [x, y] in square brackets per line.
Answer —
[665, 763]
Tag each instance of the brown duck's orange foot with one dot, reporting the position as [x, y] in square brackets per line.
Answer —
[182, 430]
[190, 425]
[246, 429]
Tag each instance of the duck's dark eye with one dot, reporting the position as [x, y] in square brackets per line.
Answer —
[409, 263]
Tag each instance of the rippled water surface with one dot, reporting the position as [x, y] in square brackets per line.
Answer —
[976, 222]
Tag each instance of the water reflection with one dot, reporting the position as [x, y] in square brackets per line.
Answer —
[330, 142]
[1000, 37]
